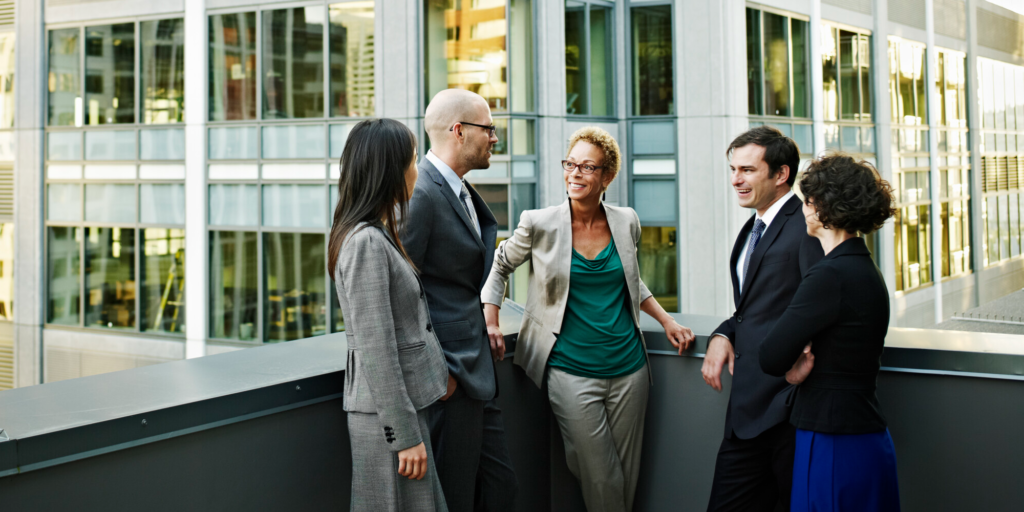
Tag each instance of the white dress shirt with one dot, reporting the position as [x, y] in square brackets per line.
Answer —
[767, 218]
[454, 181]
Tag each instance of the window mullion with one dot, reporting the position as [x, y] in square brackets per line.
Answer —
[585, 58]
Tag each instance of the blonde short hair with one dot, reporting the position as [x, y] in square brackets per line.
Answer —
[605, 142]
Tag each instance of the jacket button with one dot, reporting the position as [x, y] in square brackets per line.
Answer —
[738, 356]
[739, 319]
[429, 328]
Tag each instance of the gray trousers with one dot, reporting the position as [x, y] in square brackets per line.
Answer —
[376, 484]
[602, 424]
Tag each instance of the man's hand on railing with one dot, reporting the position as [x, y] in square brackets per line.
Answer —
[719, 352]
[491, 313]
[412, 462]
[802, 367]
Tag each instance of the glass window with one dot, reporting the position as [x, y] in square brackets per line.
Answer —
[163, 280]
[755, 91]
[293, 63]
[655, 201]
[653, 75]
[234, 205]
[352, 59]
[64, 146]
[295, 305]
[110, 145]
[300, 206]
[7, 271]
[64, 202]
[110, 74]
[523, 198]
[64, 102]
[800, 48]
[162, 203]
[162, 77]
[233, 143]
[110, 277]
[496, 197]
[777, 74]
[162, 144]
[63, 268]
[294, 141]
[106, 202]
[576, 58]
[602, 48]
[338, 135]
[776, 64]
[234, 285]
[654, 138]
[521, 25]
[830, 73]
[7, 80]
[523, 137]
[658, 265]
[466, 48]
[232, 63]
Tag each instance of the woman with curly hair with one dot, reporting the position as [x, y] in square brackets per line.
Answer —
[845, 458]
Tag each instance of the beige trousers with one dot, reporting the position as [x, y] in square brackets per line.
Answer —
[602, 424]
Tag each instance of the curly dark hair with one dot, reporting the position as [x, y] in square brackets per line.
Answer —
[847, 194]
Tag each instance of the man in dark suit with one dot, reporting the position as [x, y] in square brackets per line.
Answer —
[754, 469]
[450, 236]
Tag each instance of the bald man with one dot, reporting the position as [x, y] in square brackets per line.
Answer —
[450, 235]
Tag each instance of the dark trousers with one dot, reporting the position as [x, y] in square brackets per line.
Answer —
[754, 474]
[471, 455]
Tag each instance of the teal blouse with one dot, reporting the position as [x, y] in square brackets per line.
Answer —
[598, 339]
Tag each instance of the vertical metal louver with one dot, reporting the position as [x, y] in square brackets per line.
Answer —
[863, 6]
[6, 13]
[908, 12]
[6, 191]
[1000, 32]
[951, 18]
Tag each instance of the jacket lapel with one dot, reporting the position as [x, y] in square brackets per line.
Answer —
[737, 247]
[766, 242]
[453, 200]
[488, 230]
[625, 247]
[563, 244]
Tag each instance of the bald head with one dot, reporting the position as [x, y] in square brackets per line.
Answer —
[451, 106]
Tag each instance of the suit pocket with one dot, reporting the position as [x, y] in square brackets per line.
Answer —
[453, 331]
[412, 347]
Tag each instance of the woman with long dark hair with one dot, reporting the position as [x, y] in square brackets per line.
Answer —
[395, 366]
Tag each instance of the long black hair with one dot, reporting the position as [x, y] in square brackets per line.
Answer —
[372, 183]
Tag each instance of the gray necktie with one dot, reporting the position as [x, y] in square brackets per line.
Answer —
[470, 209]
[755, 237]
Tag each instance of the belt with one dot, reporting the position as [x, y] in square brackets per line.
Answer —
[841, 381]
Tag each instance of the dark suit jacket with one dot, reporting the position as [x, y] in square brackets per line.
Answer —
[453, 263]
[785, 252]
[843, 305]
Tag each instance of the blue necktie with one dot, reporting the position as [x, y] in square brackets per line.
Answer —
[755, 237]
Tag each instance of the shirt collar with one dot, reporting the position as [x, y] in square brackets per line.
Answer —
[774, 209]
[449, 175]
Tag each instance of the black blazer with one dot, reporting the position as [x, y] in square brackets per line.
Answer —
[758, 401]
[843, 306]
[453, 263]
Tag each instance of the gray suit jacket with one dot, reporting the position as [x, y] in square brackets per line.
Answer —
[395, 365]
[544, 238]
[453, 262]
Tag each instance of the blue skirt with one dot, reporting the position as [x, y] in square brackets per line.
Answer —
[844, 473]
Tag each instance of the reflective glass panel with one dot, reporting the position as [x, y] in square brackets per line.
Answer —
[351, 58]
[64, 101]
[299, 206]
[234, 293]
[776, 64]
[658, 270]
[848, 75]
[524, 197]
[602, 79]
[295, 303]
[64, 202]
[63, 268]
[162, 144]
[465, 48]
[7, 80]
[162, 203]
[232, 64]
[521, 50]
[234, 205]
[496, 197]
[163, 280]
[294, 142]
[338, 135]
[1003, 203]
[293, 63]
[106, 202]
[801, 74]
[110, 74]
[6, 271]
[64, 146]
[755, 93]
[575, 58]
[110, 145]
[654, 138]
[233, 143]
[830, 73]
[110, 277]
[651, 44]
[655, 201]
[162, 77]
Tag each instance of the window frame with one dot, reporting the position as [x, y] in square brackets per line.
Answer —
[631, 113]
[791, 17]
[585, 56]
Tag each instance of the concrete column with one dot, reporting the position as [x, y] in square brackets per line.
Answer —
[549, 30]
[29, 257]
[711, 106]
[932, 61]
[883, 143]
[974, 139]
[817, 79]
[398, 73]
[196, 240]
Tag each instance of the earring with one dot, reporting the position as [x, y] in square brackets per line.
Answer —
[604, 195]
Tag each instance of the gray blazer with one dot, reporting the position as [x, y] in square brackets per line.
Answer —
[453, 262]
[544, 238]
[395, 366]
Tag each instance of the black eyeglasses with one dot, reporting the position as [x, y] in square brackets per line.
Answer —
[489, 127]
[584, 168]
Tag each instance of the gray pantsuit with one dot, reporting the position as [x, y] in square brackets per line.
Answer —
[602, 424]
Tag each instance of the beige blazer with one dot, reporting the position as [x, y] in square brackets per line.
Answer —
[544, 238]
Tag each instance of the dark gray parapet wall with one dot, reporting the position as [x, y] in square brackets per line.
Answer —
[263, 429]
